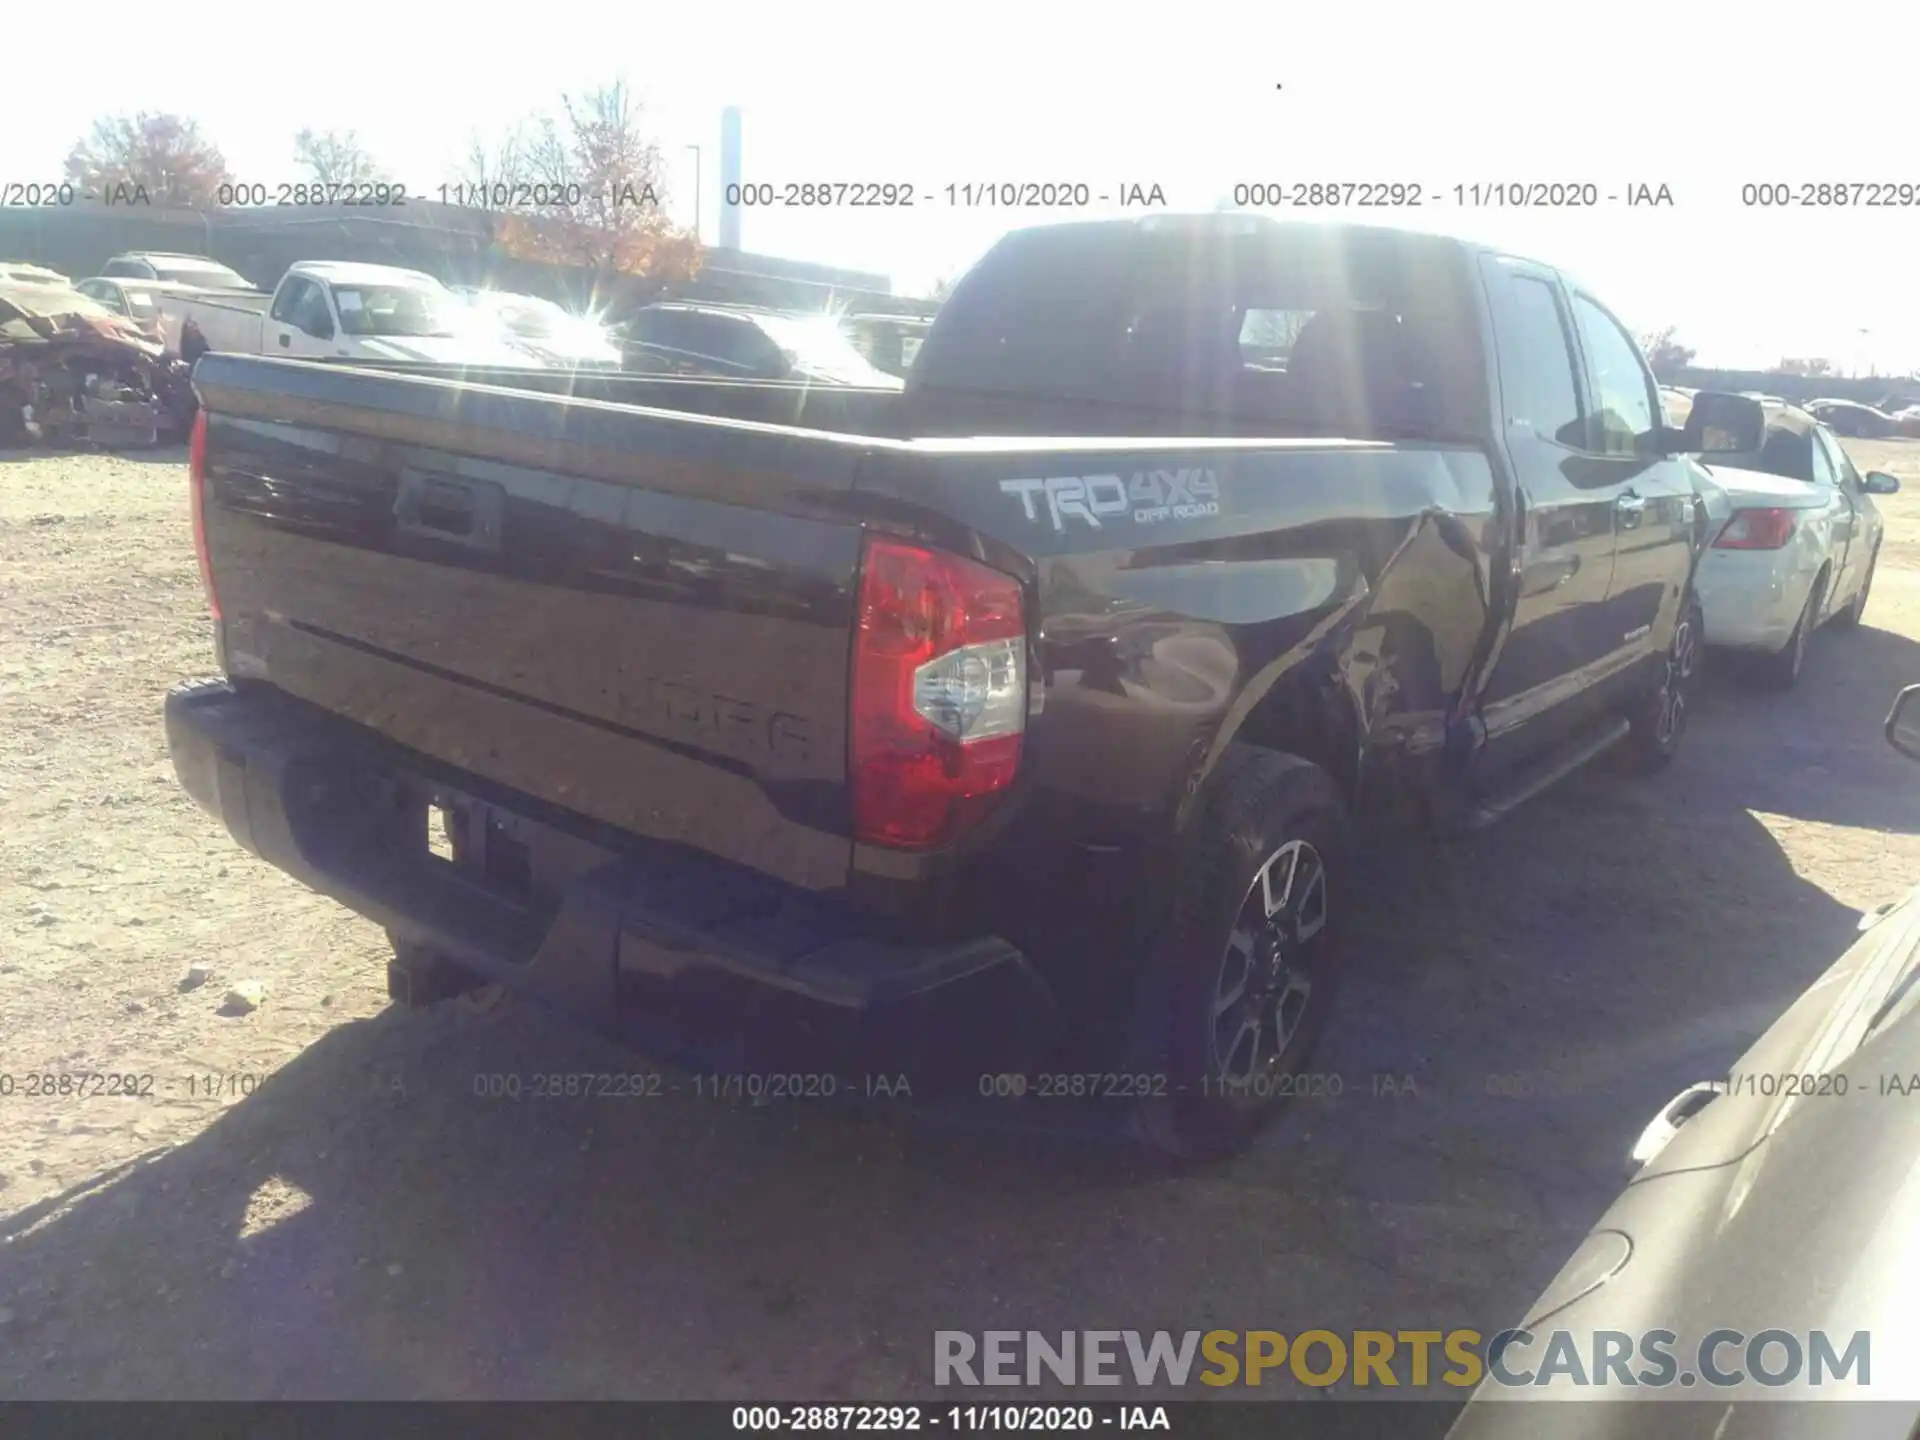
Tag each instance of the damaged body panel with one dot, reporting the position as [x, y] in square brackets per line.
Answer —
[1354, 573]
[72, 371]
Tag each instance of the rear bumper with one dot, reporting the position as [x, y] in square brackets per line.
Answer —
[1752, 598]
[338, 809]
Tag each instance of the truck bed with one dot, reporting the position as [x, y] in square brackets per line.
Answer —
[641, 616]
[252, 303]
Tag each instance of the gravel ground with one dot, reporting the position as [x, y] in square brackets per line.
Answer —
[310, 1200]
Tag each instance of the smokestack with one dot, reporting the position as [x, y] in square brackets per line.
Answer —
[730, 178]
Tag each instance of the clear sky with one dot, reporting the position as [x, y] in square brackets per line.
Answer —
[1195, 97]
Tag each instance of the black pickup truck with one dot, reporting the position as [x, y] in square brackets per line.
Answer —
[758, 723]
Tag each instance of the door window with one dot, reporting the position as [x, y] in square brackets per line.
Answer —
[1625, 401]
[1544, 366]
[1838, 458]
[303, 304]
[287, 303]
[312, 315]
[1825, 472]
[107, 295]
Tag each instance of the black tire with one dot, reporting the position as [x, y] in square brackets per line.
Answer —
[1261, 812]
[1659, 722]
[1850, 618]
[1781, 670]
[13, 424]
[418, 976]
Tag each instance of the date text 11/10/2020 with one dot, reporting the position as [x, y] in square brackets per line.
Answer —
[1000, 1085]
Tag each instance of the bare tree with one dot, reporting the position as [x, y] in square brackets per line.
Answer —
[1664, 353]
[164, 157]
[336, 157]
[497, 169]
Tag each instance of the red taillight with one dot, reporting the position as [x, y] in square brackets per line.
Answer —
[197, 501]
[1756, 530]
[939, 695]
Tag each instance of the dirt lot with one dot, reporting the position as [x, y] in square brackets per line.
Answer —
[313, 1202]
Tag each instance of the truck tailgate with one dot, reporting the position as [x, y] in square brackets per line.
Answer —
[636, 617]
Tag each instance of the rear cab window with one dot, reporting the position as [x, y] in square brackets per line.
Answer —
[1314, 331]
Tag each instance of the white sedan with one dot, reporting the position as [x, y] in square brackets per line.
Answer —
[1798, 548]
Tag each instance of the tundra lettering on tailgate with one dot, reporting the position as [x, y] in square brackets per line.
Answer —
[735, 726]
[1147, 497]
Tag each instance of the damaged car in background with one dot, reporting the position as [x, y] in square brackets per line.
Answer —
[22, 272]
[72, 371]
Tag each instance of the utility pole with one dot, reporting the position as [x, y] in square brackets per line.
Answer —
[730, 177]
[697, 212]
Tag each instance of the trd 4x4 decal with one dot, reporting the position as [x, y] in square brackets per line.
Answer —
[1147, 497]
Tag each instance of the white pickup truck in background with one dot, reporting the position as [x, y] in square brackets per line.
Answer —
[326, 308]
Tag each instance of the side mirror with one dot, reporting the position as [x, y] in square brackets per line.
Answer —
[1903, 723]
[1879, 482]
[1724, 424]
[322, 328]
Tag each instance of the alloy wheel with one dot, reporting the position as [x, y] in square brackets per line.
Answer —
[1264, 982]
[1682, 660]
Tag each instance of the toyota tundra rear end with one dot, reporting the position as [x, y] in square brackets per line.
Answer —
[873, 707]
[592, 699]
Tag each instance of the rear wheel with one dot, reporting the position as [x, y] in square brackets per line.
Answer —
[1659, 723]
[1850, 618]
[1781, 670]
[1237, 985]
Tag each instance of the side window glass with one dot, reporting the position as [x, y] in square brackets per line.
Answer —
[753, 346]
[1267, 336]
[1623, 391]
[312, 316]
[678, 330]
[1843, 468]
[725, 340]
[1543, 366]
[1824, 470]
[286, 305]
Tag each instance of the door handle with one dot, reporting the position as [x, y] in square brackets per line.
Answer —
[286, 340]
[1539, 577]
[1630, 507]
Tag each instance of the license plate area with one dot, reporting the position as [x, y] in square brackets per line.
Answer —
[521, 861]
[440, 823]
